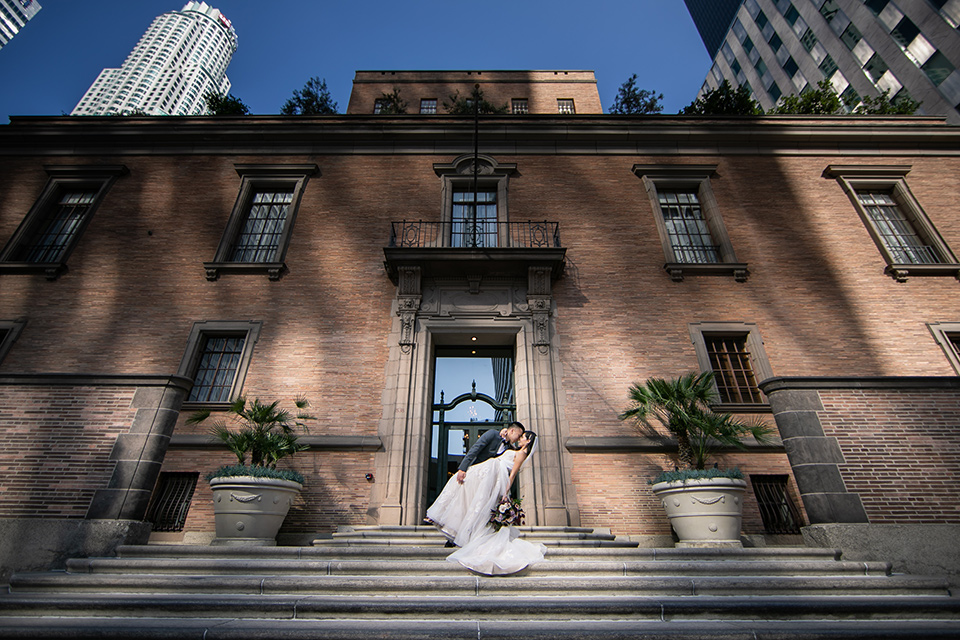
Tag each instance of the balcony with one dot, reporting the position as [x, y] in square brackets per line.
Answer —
[474, 248]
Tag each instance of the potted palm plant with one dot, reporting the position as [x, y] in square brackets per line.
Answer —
[704, 505]
[251, 500]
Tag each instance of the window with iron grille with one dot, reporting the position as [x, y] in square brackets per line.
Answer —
[691, 229]
[565, 106]
[259, 239]
[690, 237]
[777, 509]
[902, 231]
[732, 369]
[9, 332]
[520, 106]
[895, 230]
[258, 232]
[171, 501]
[217, 369]
[52, 227]
[217, 357]
[428, 106]
[734, 352]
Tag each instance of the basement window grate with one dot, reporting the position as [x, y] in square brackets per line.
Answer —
[780, 514]
[172, 501]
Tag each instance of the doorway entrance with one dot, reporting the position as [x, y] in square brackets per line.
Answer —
[473, 391]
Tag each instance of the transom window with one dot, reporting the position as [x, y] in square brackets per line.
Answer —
[474, 220]
[895, 230]
[259, 240]
[59, 227]
[216, 369]
[690, 237]
[565, 106]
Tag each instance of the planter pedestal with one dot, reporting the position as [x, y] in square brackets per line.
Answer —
[249, 510]
[705, 512]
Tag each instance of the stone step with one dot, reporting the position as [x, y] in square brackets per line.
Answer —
[424, 535]
[495, 629]
[470, 585]
[649, 608]
[383, 552]
[421, 567]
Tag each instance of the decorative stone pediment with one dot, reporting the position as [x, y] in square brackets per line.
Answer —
[463, 166]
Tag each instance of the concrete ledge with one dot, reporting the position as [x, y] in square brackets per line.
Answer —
[643, 444]
[920, 549]
[41, 544]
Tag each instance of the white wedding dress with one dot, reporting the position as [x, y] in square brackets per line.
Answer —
[463, 513]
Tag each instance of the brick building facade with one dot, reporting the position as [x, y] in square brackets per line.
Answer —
[582, 276]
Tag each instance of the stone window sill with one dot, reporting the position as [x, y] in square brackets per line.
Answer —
[274, 270]
[52, 270]
[900, 272]
[679, 270]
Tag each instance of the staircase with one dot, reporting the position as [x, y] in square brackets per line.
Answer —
[394, 582]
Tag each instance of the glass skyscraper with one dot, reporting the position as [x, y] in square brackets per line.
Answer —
[182, 56]
[863, 47]
[14, 15]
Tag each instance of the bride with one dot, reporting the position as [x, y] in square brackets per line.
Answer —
[462, 512]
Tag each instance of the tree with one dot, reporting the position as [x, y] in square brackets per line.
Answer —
[463, 106]
[683, 407]
[883, 105]
[724, 101]
[820, 101]
[224, 105]
[313, 100]
[633, 101]
[391, 104]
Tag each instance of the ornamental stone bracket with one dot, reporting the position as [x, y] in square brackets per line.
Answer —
[409, 295]
[540, 301]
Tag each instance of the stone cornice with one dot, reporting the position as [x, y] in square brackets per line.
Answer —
[452, 135]
[906, 383]
[641, 444]
[94, 380]
[316, 443]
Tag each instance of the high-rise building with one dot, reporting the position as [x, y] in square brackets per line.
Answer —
[14, 15]
[182, 56]
[712, 18]
[910, 48]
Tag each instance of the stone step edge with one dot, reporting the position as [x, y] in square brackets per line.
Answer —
[427, 527]
[633, 607]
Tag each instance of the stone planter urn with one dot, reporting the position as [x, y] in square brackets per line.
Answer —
[704, 512]
[249, 510]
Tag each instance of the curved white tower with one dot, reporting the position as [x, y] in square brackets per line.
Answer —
[183, 55]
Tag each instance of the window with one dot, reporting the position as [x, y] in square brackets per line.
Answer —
[828, 67]
[565, 106]
[428, 106]
[777, 509]
[937, 68]
[875, 67]
[520, 106]
[378, 105]
[9, 332]
[687, 216]
[171, 500]
[50, 231]
[461, 229]
[947, 335]
[898, 225]
[257, 234]
[734, 352]
[217, 357]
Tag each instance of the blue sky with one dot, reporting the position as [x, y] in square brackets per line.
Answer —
[46, 69]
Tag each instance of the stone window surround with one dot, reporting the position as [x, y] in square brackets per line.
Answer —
[12, 329]
[691, 177]
[758, 356]
[61, 177]
[250, 330]
[893, 178]
[942, 332]
[459, 174]
[256, 177]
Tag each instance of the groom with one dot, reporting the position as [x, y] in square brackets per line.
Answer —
[491, 443]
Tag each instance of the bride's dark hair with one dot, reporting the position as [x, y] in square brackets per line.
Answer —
[532, 437]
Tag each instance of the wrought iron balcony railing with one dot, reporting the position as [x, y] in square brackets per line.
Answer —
[464, 234]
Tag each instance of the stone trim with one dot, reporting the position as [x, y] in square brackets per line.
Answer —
[316, 443]
[635, 444]
[13, 329]
[779, 383]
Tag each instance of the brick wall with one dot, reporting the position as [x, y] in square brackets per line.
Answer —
[900, 449]
[56, 446]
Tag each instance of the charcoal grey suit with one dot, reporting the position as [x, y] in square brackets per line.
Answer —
[484, 448]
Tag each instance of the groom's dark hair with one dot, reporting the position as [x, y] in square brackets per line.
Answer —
[517, 424]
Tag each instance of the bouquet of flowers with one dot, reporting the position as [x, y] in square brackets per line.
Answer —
[506, 513]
